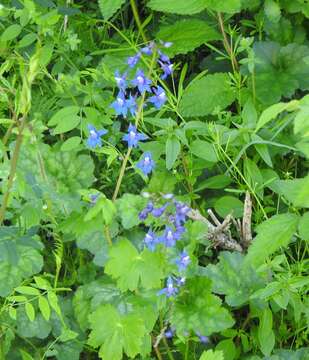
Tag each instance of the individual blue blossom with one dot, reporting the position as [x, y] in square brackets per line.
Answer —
[159, 98]
[146, 164]
[133, 137]
[133, 60]
[145, 212]
[158, 212]
[169, 333]
[120, 104]
[121, 80]
[147, 50]
[164, 58]
[141, 81]
[183, 261]
[94, 138]
[166, 44]
[170, 289]
[168, 196]
[131, 105]
[167, 69]
[150, 240]
[181, 281]
[203, 339]
[170, 237]
[94, 198]
[181, 212]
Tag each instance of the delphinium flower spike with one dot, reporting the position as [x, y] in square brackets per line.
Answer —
[94, 138]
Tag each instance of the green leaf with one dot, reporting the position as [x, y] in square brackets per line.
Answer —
[11, 32]
[230, 278]
[272, 234]
[67, 124]
[204, 150]
[27, 290]
[228, 348]
[227, 6]
[172, 151]
[44, 307]
[197, 309]
[272, 10]
[30, 311]
[71, 143]
[187, 7]
[109, 7]
[214, 182]
[202, 96]
[253, 176]
[27, 40]
[115, 333]
[38, 328]
[20, 258]
[265, 333]
[186, 35]
[229, 205]
[296, 191]
[212, 355]
[131, 268]
[129, 207]
[303, 226]
[63, 114]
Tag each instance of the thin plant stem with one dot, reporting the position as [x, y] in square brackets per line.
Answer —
[13, 168]
[137, 19]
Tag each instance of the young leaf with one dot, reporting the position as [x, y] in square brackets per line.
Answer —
[30, 311]
[44, 307]
[271, 235]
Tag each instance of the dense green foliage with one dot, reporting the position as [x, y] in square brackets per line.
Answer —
[186, 237]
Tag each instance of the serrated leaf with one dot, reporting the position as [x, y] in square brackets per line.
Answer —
[272, 234]
[115, 333]
[132, 269]
[272, 10]
[212, 355]
[187, 7]
[202, 96]
[226, 6]
[197, 309]
[296, 191]
[172, 150]
[303, 227]
[186, 35]
[109, 7]
[129, 207]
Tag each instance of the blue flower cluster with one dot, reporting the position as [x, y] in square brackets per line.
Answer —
[126, 100]
[174, 213]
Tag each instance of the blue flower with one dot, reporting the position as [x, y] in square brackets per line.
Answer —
[159, 211]
[121, 80]
[164, 58]
[133, 137]
[133, 60]
[131, 105]
[169, 333]
[166, 44]
[183, 261]
[150, 240]
[141, 81]
[169, 237]
[148, 49]
[159, 99]
[181, 212]
[167, 69]
[146, 164]
[120, 104]
[93, 198]
[170, 289]
[181, 281]
[203, 339]
[94, 138]
[145, 212]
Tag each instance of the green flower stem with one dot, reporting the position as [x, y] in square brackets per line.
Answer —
[137, 19]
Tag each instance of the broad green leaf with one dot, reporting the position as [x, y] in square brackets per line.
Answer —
[109, 7]
[296, 191]
[129, 207]
[197, 309]
[303, 226]
[228, 348]
[20, 258]
[214, 182]
[204, 150]
[229, 205]
[30, 311]
[202, 96]
[44, 307]
[115, 333]
[230, 278]
[71, 143]
[266, 335]
[273, 111]
[131, 268]
[186, 35]
[227, 6]
[187, 7]
[272, 234]
[172, 151]
[27, 40]
[38, 328]
[11, 32]
[272, 10]
[67, 124]
[212, 355]
[63, 115]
